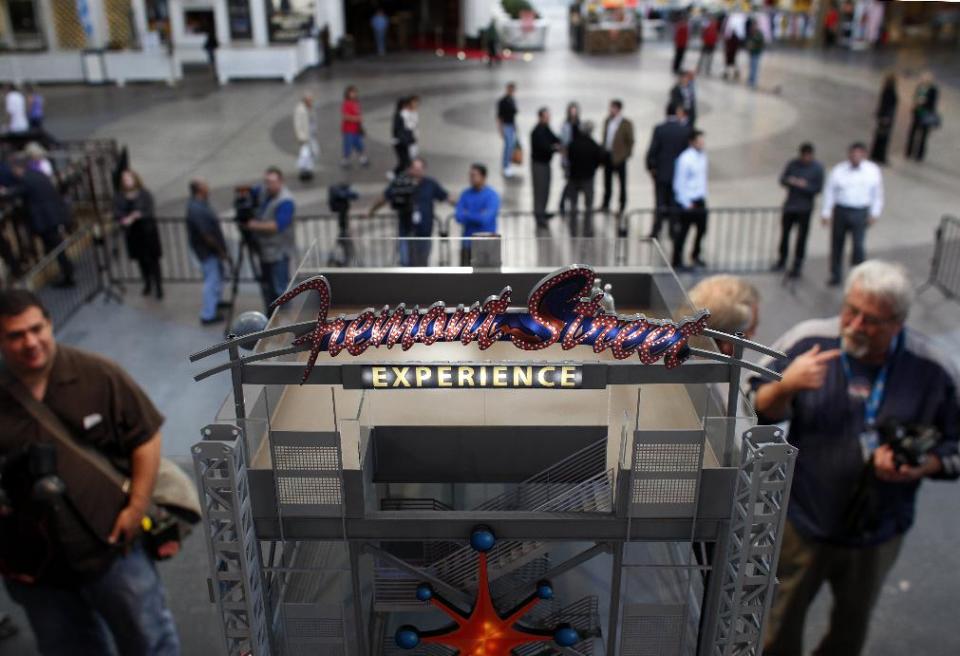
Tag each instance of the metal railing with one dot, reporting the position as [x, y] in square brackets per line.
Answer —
[945, 266]
[413, 504]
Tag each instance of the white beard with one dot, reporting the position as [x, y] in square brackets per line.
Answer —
[854, 347]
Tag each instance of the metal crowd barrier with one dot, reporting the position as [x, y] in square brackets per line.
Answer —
[945, 266]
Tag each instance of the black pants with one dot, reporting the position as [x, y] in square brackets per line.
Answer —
[678, 58]
[800, 219]
[151, 276]
[881, 142]
[51, 239]
[695, 216]
[464, 255]
[620, 170]
[852, 221]
[663, 192]
[540, 174]
[403, 158]
[574, 189]
[917, 141]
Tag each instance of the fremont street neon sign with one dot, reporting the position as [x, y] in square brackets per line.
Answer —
[560, 310]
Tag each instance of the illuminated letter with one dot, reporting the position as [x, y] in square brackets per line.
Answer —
[444, 376]
[542, 377]
[401, 377]
[465, 377]
[522, 376]
[568, 376]
[500, 376]
[483, 376]
[423, 374]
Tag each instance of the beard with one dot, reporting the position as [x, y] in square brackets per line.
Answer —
[855, 344]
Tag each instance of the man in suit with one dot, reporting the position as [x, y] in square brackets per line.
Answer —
[670, 138]
[684, 94]
[618, 142]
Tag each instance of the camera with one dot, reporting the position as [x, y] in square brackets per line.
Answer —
[339, 197]
[243, 205]
[910, 442]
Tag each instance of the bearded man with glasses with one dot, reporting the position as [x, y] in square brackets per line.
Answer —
[843, 379]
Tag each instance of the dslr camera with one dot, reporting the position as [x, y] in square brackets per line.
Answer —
[243, 205]
[911, 443]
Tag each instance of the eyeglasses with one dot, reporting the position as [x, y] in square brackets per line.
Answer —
[870, 320]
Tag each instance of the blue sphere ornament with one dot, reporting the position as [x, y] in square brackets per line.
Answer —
[566, 636]
[544, 590]
[482, 539]
[407, 637]
[424, 592]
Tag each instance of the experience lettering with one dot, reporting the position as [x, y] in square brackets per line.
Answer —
[560, 310]
[465, 376]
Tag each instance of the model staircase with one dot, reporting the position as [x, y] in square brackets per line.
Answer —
[582, 614]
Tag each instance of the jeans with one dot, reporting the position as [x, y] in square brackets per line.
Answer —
[609, 170]
[380, 36]
[855, 576]
[509, 143]
[851, 220]
[754, 69]
[124, 608]
[212, 286]
[352, 143]
[540, 172]
[275, 279]
[791, 218]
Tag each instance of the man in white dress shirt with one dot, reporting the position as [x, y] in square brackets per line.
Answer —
[690, 194]
[852, 200]
[15, 106]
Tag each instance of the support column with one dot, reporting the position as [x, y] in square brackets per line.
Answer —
[258, 20]
[221, 20]
[139, 21]
[361, 636]
[616, 578]
[45, 10]
[476, 15]
[98, 19]
[331, 13]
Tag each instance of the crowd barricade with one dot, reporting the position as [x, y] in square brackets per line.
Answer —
[945, 266]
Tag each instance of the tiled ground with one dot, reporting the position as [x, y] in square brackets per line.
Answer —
[228, 135]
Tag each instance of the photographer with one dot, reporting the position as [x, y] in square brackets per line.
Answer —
[412, 195]
[83, 590]
[274, 234]
[844, 378]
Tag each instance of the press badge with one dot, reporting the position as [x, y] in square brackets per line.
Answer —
[869, 441]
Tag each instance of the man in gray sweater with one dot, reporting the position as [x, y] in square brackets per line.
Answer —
[803, 178]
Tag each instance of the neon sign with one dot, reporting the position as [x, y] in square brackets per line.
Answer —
[560, 310]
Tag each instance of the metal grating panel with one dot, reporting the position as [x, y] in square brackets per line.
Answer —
[309, 458]
[303, 491]
[665, 490]
[652, 630]
[666, 457]
[308, 472]
[314, 629]
[665, 473]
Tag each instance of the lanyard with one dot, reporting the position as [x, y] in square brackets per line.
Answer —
[871, 407]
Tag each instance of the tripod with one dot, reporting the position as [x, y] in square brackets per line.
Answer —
[110, 287]
[246, 248]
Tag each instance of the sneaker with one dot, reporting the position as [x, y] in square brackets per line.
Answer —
[217, 318]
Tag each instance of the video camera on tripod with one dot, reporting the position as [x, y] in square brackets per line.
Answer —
[244, 205]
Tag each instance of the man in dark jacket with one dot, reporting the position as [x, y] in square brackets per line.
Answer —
[208, 244]
[585, 156]
[669, 139]
[543, 144]
[48, 213]
[684, 94]
[803, 178]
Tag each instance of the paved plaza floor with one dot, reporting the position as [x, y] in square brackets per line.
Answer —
[229, 134]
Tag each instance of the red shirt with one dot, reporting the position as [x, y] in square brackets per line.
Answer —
[833, 17]
[681, 34]
[710, 33]
[350, 108]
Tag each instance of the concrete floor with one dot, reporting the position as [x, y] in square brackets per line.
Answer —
[229, 135]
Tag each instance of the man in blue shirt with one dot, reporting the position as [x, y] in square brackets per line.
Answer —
[274, 233]
[412, 195]
[690, 195]
[477, 209]
[850, 502]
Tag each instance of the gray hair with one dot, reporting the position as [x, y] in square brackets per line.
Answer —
[884, 280]
[730, 300]
[587, 127]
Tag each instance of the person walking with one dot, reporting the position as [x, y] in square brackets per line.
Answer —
[49, 215]
[886, 112]
[803, 178]
[476, 209]
[411, 121]
[83, 592]
[618, 142]
[585, 156]
[506, 124]
[681, 36]
[708, 38]
[567, 131]
[36, 111]
[402, 136]
[852, 202]
[210, 248]
[379, 23]
[543, 144]
[15, 105]
[924, 118]
[305, 130]
[412, 195]
[690, 194]
[351, 127]
[684, 94]
[274, 233]
[133, 210]
[669, 139]
[734, 34]
[755, 45]
[851, 501]
[210, 45]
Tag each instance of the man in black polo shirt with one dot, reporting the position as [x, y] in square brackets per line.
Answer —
[543, 144]
[506, 123]
[842, 379]
[84, 592]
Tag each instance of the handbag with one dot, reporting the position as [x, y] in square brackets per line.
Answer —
[517, 156]
[94, 487]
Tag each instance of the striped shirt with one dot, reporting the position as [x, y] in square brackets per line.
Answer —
[826, 424]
